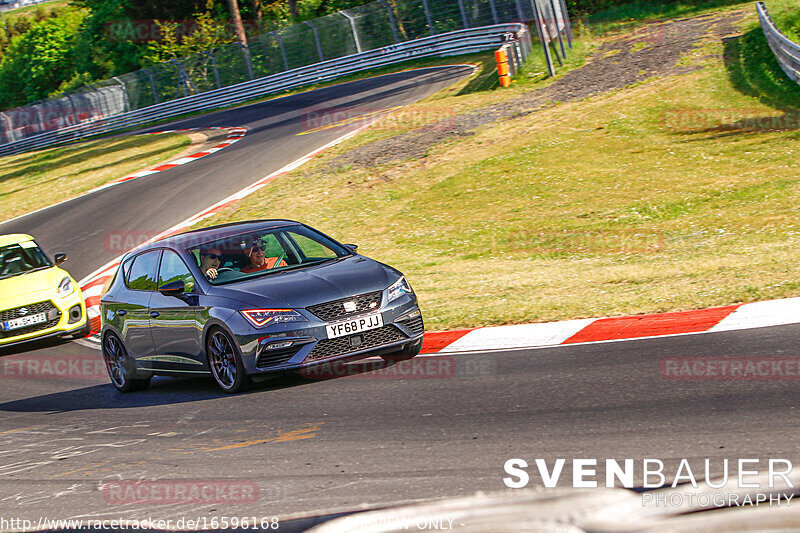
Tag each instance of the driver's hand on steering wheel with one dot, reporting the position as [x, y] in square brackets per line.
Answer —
[211, 273]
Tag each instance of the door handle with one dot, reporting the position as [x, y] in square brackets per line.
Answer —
[122, 312]
[154, 314]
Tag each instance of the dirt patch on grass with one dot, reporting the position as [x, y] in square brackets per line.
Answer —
[653, 50]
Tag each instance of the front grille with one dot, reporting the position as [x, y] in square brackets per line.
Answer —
[33, 309]
[270, 358]
[373, 338]
[415, 325]
[334, 310]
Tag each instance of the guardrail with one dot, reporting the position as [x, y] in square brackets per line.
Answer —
[786, 51]
[8, 6]
[445, 44]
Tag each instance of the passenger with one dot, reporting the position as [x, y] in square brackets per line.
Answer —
[210, 260]
[258, 261]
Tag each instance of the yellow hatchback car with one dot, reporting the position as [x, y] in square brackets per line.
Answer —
[37, 298]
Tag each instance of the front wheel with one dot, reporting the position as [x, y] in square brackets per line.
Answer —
[121, 369]
[226, 362]
[408, 351]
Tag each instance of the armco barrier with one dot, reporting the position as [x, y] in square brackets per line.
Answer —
[786, 52]
[445, 44]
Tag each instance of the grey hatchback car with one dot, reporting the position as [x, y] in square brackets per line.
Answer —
[245, 301]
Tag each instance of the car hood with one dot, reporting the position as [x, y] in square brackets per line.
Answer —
[30, 288]
[309, 286]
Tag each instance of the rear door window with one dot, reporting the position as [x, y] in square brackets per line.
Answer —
[142, 273]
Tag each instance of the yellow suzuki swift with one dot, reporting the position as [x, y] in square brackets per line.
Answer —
[37, 298]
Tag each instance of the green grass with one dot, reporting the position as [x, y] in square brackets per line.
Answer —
[628, 14]
[668, 195]
[34, 180]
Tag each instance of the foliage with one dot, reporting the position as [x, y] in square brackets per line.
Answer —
[205, 34]
[37, 62]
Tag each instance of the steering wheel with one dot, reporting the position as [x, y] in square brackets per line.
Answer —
[224, 269]
[278, 261]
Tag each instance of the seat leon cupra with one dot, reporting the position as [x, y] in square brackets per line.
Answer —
[245, 301]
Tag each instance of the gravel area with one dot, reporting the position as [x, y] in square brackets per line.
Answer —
[653, 50]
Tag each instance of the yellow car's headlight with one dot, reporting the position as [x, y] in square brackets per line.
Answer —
[65, 288]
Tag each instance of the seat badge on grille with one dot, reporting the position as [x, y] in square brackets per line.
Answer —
[22, 311]
[349, 306]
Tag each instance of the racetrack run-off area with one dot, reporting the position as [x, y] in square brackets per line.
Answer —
[374, 434]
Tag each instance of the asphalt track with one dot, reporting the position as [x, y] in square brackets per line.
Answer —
[433, 427]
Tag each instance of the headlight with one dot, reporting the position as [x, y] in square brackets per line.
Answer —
[65, 288]
[399, 288]
[262, 317]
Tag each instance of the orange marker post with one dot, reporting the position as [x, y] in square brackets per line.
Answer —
[501, 58]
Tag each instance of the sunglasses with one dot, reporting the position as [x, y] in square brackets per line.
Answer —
[213, 256]
[259, 248]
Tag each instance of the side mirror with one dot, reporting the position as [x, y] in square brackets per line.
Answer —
[173, 288]
[352, 247]
[60, 258]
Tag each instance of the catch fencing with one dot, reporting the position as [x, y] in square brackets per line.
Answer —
[361, 38]
[786, 52]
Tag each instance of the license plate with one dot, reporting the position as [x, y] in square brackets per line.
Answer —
[24, 321]
[355, 325]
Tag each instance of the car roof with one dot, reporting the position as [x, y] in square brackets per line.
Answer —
[222, 231]
[14, 238]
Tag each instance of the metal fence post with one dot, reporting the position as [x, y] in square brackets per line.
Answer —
[567, 23]
[283, 49]
[246, 54]
[353, 29]
[493, 8]
[520, 14]
[428, 16]
[558, 29]
[537, 18]
[463, 14]
[127, 105]
[392, 22]
[152, 84]
[214, 66]
[316, 38]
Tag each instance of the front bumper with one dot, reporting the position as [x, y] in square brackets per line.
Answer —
[285, 347]
[62, 325]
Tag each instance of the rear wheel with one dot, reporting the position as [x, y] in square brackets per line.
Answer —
[121, 368]
[409, 351]
[226, 362]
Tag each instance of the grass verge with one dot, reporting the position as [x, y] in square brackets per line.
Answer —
[676, 193]
[34, 180]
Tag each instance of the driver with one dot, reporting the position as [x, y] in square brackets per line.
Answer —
[210, 259]
[258, 261]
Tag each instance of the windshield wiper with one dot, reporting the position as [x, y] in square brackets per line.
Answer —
[24, 272]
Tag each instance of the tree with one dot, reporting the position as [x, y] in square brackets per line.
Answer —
[37, 63]
[236, 19]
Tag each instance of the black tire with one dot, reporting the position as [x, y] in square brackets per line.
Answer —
[409, 351]
[121, 368]
[225, 362]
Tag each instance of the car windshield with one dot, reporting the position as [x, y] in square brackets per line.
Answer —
[252, 255]
[16, 259]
